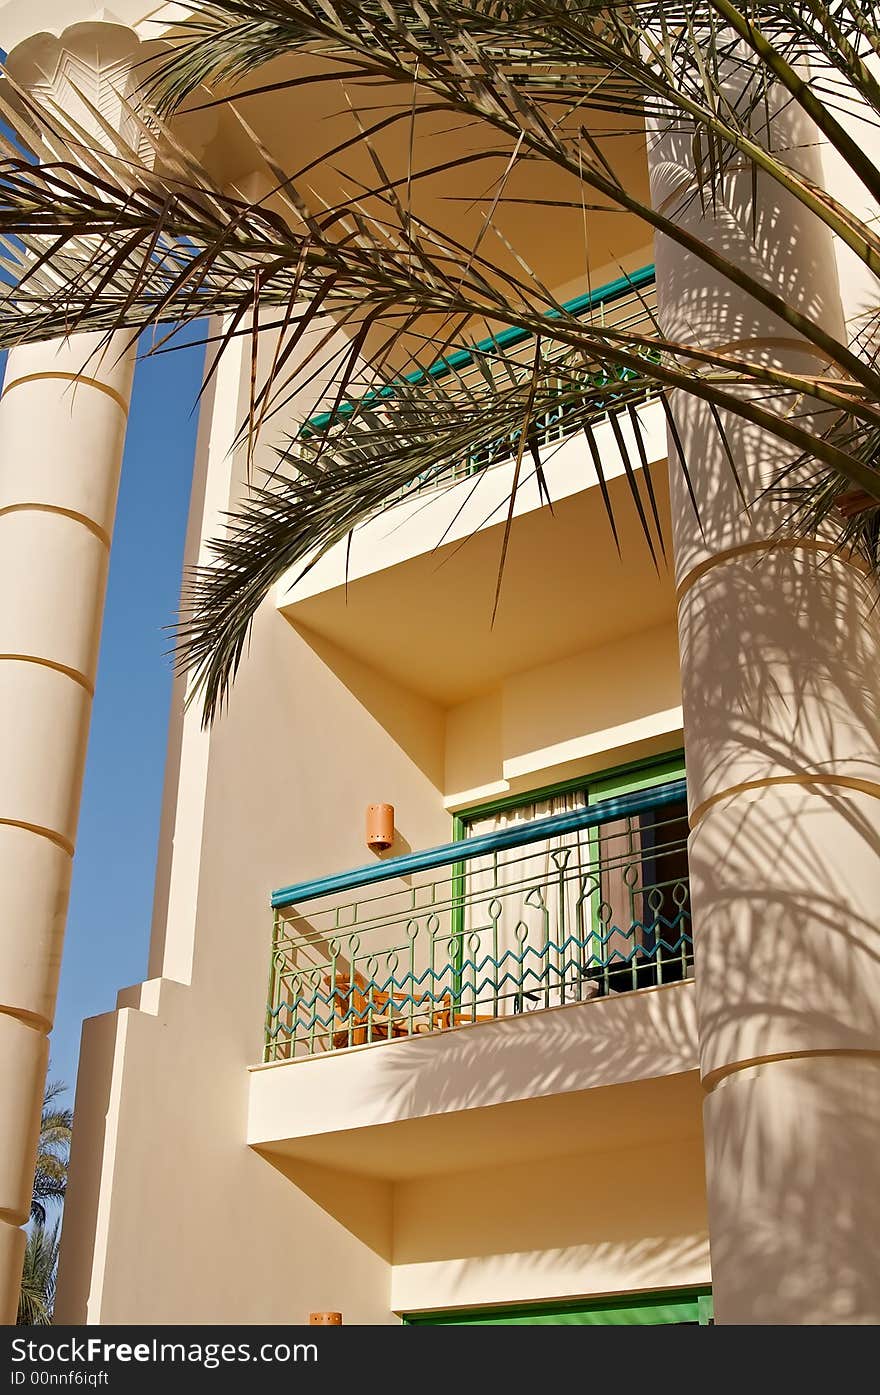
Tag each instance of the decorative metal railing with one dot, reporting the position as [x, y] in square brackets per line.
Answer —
[537, 915]
[629, 303]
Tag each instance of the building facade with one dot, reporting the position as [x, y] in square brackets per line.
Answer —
[589, 1033]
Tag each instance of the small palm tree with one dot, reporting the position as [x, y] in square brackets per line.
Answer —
[50, 1177]
[37, 1296]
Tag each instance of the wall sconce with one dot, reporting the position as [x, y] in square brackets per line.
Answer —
[380, 826]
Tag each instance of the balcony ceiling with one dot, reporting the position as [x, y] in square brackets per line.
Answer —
[299, 126]
[422, 614]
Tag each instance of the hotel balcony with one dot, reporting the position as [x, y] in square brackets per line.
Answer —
[433, 1007]
[410, 594]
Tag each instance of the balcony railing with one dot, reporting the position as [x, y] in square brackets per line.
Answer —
[629, 303]
[557, 911]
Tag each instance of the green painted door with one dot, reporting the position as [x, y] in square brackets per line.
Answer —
[688, 1308]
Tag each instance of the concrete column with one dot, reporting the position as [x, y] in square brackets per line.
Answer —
[63, 412]
[780, 658]
[62, 428]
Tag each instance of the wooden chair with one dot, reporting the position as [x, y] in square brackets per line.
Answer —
[363, 1014]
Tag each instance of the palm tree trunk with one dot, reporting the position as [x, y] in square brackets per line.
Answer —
[63, 415]
[779, 657]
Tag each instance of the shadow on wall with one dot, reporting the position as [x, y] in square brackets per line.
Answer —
[629, 1218]
[398, 848]
[785, 885]
[814, 1241]
[780, 658]
[572, 1272]
[470, 1069]
[792, 971]
[474, 1067]
[91, 1112]
[786, 880]
[363, 1205]
[413, 722]
[597, 1200]
[756, 225]
[793, 690]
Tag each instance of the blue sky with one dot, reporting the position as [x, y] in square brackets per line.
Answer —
[111, 901]
[111, 898]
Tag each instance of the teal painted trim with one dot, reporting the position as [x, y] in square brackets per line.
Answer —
[634, 1310]
[611, 291]
[506, 339]
[449, 853]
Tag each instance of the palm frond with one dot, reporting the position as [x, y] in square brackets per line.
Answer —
[93, 239]
[53, 1153]
[37, 1294]
[343, 467]
[512, 65]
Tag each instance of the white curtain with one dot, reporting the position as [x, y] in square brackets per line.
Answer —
[620, 909]
[526, 917]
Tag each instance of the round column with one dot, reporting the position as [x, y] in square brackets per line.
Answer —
[63, 415]
[63, 412]
[779, 662]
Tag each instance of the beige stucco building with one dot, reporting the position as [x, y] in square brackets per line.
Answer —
[492, 1080]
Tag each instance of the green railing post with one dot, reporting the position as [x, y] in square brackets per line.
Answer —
[561, 918]
[456, 922]
[271, 992]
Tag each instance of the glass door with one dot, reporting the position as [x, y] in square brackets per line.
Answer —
[641, 905]
[581, 914]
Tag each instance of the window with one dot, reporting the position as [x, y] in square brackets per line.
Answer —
[588, 912]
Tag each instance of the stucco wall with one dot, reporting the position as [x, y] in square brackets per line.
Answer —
[291, 769]
[191, 1224]
[583, 1224]
[591, 710]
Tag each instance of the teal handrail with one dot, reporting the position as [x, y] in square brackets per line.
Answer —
[604, 811]
[505, 339]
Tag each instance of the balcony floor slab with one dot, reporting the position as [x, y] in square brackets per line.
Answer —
[608, 1073]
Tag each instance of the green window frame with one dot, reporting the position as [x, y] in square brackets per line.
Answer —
[691, 1306]
[602, 784]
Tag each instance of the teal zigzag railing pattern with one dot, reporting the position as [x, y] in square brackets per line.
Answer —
[541, 915]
